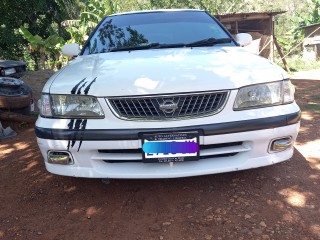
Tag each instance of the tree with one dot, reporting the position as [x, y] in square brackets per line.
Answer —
[44, 18]
[312, 16]
[90, 15]
[41, 17]
[48, 48]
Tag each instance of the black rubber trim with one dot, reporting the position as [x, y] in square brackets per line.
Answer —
[134, 134]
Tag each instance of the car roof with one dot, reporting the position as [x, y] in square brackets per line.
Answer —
[158, 10]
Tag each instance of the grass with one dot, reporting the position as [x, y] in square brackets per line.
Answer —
[312, 107]
[316, 97]
[23, 125]
[34, 114]
[297, 64]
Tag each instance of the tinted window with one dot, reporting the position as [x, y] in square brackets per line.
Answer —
[138, 29]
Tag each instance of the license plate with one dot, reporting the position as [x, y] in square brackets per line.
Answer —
[170, 147]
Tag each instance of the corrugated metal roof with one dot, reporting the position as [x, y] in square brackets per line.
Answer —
[271, 13]
[311, 25]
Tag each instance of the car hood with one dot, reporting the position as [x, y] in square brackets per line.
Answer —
[158, 71]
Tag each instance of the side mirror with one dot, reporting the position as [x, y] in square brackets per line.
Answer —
[71, 49]
[244, 39]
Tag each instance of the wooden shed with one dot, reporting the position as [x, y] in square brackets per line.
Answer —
[259, 24]
[312, 38]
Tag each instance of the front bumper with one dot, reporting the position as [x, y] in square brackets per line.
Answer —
[98, 147]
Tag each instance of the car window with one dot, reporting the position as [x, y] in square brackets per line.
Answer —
[155, 27]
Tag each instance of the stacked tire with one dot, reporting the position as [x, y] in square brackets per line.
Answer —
[15, 96]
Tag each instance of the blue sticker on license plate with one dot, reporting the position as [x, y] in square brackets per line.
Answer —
[170, 147]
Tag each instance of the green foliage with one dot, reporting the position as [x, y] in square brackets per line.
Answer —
[41, 17]
[292, 39]
[48, 48]
[313, 16]
[214, 7]
[90, 15]
[296, 64]
[312, 107]
[48, 26]
[94, 10]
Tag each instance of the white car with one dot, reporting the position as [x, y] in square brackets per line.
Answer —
[165, 94]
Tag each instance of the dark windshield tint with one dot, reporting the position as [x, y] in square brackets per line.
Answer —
[130, 30]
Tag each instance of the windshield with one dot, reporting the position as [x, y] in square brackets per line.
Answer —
[166, 28]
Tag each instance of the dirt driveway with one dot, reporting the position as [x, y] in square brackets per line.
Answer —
[276, 202]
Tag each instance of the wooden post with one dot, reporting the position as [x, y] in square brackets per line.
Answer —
[281, 54]
[237, 28]
[317, 52]
[271, 43]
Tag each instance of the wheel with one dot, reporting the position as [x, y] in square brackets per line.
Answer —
[25, 111]
[14, 102]
[10, 100]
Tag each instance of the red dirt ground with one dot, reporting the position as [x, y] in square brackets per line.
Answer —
[277, 202]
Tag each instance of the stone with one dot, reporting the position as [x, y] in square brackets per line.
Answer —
[244, 230]
[209, 218]
[277, 179]
[218, 210]
[209, 208]
[257, 231]
[166, 224]
[208, 237]
[189, 205]
[263, 224]
[155, 227]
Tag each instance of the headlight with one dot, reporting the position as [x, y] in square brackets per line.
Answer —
[45, 106]
[70, 106]
[263, 95]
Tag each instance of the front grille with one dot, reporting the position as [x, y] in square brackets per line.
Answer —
[201, 147]
[201, 157]
[168, 106]
[206, 151]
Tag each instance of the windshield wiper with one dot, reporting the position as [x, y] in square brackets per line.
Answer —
[139, 47]
[204, 42]
[148, 46]
[209, 42]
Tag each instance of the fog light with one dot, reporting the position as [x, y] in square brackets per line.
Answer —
[60, 157]
[281, 144]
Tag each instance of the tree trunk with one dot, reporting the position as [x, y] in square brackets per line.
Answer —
[43, 59]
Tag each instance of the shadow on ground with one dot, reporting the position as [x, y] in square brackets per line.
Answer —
[276, 202]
